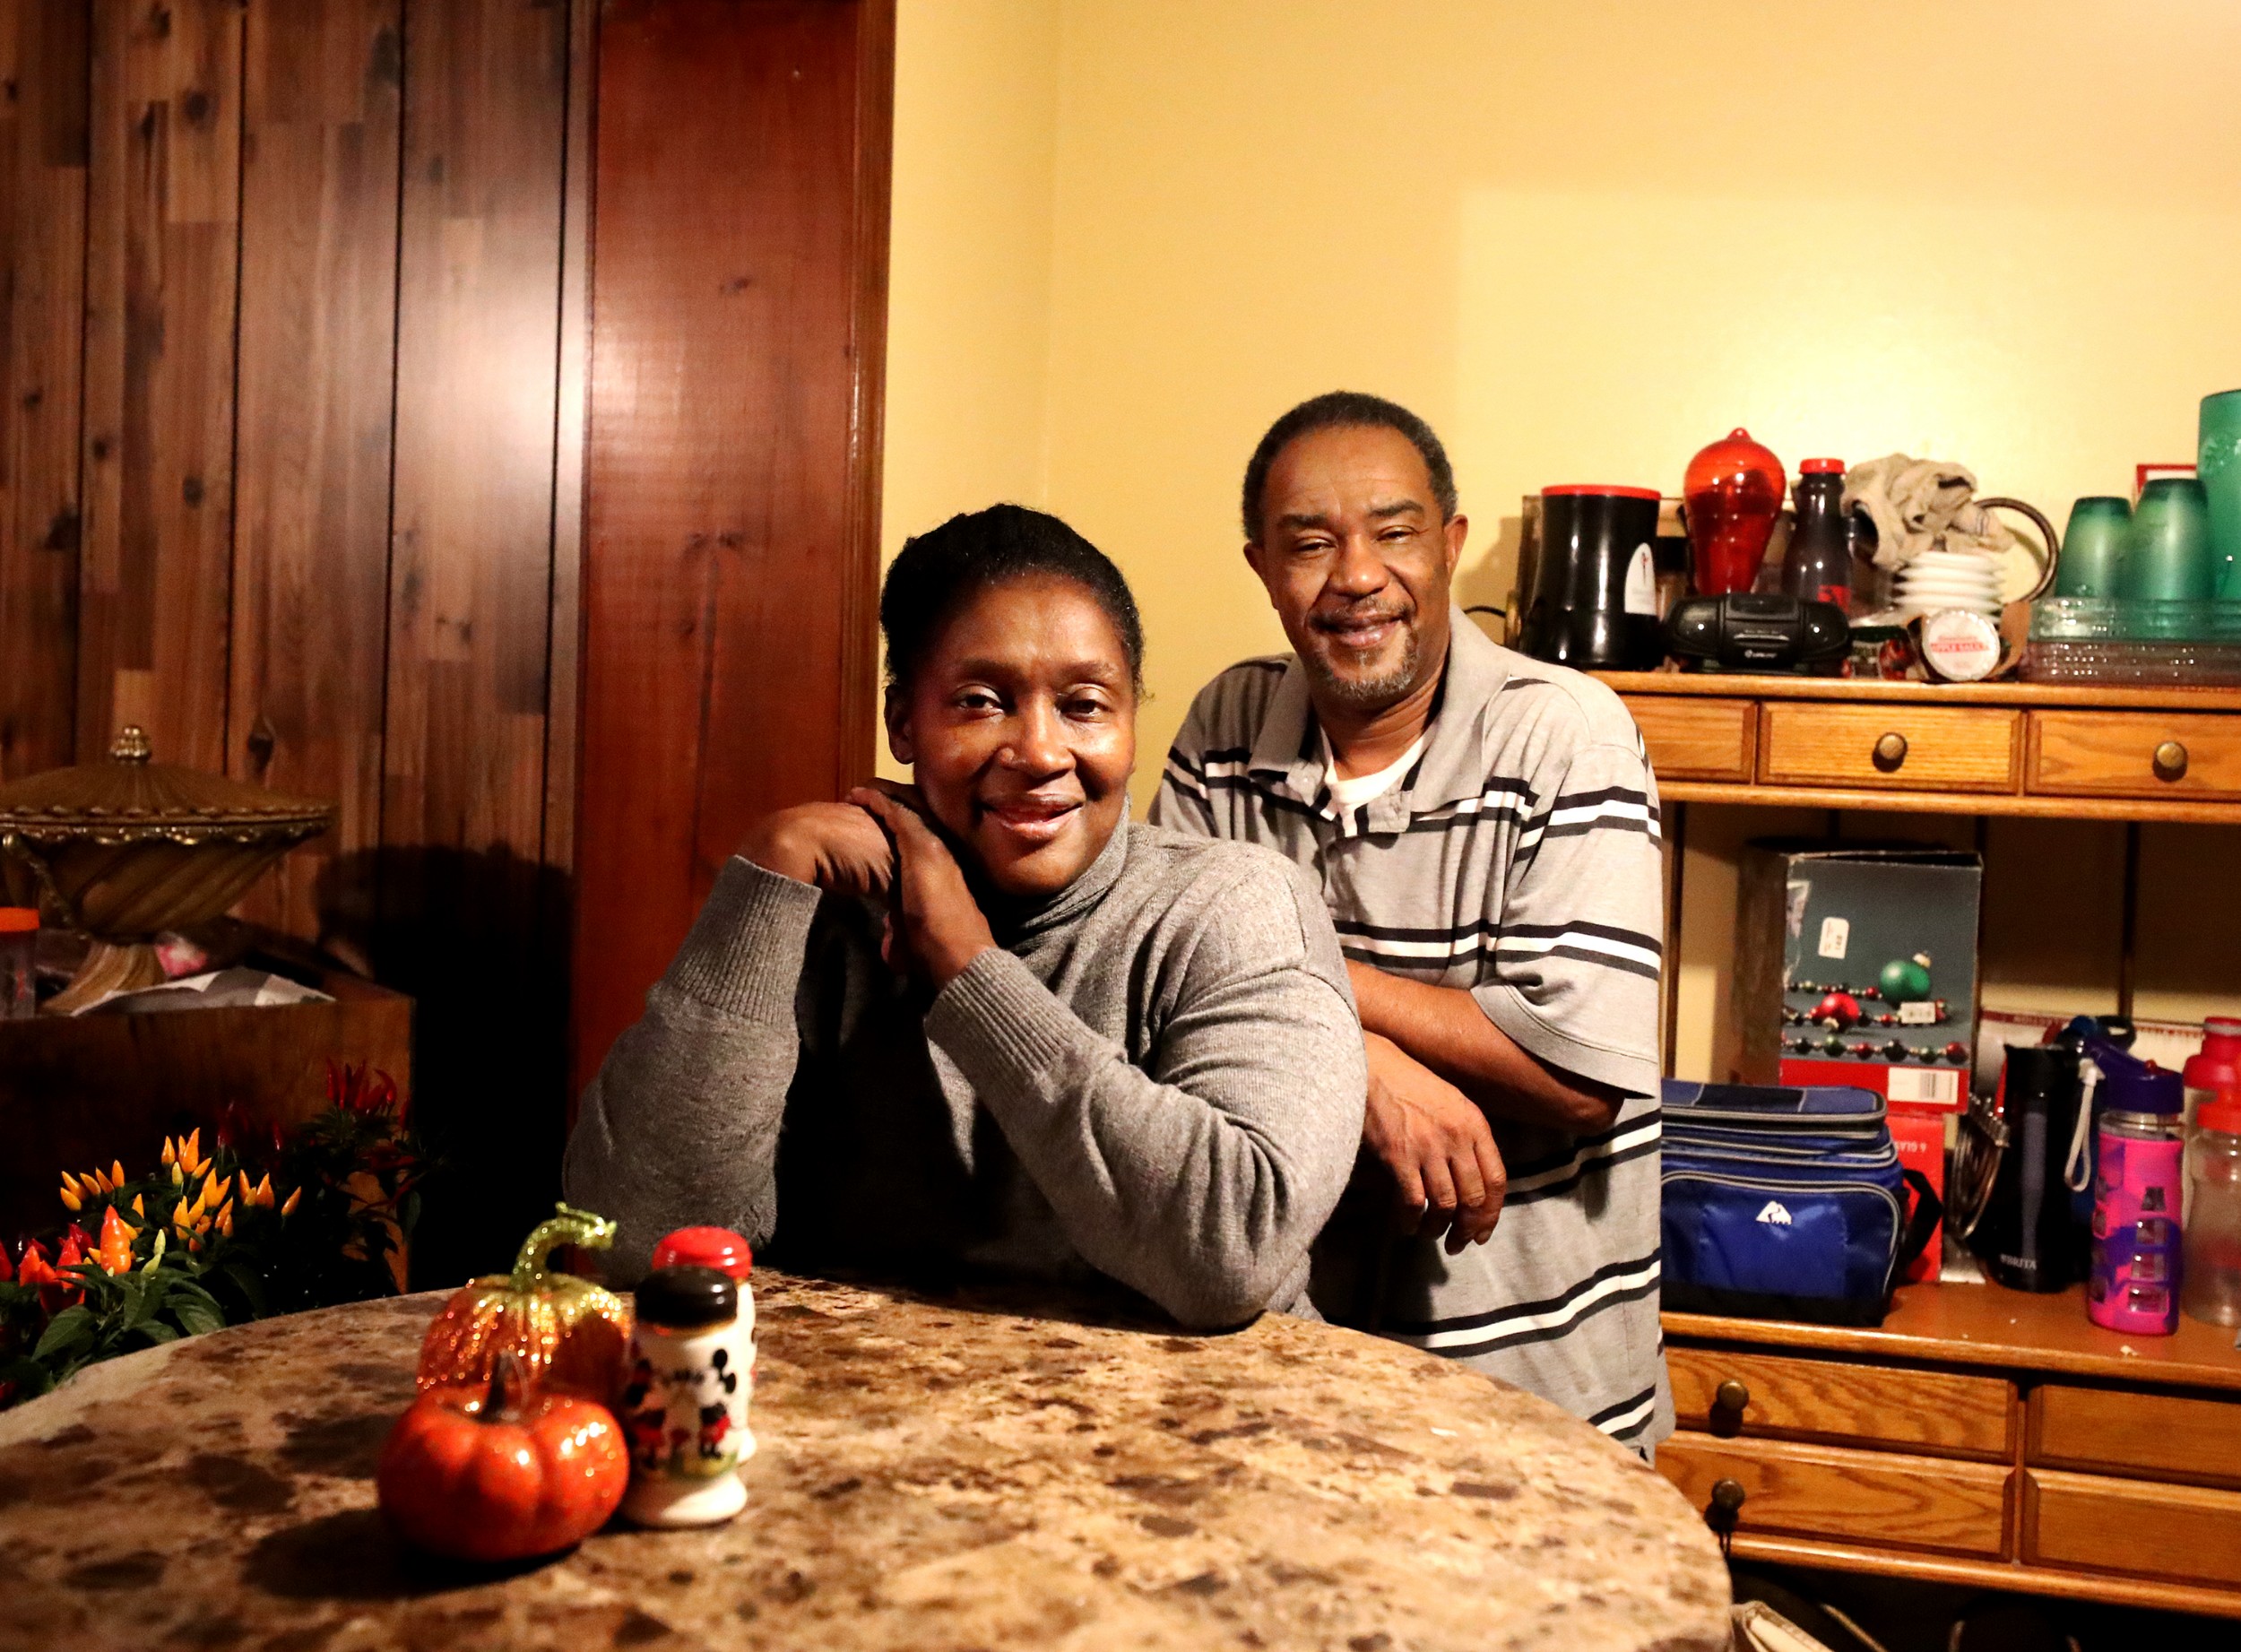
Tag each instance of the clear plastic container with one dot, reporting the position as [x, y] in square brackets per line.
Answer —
[2123, 640]
[18, 939]
[2210, 1287]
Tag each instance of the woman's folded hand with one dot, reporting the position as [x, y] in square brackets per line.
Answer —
[836, 846]
[935, 927]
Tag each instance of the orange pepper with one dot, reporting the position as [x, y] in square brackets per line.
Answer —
[113, 1254]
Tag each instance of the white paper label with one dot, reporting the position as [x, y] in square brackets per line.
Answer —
[1835, 935]
[1939, 1085]
[1642, 582]
[1920, 1013]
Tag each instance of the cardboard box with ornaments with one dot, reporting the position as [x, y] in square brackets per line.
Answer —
[1856, 964]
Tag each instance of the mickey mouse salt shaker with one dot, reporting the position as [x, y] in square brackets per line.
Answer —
[685, 1396]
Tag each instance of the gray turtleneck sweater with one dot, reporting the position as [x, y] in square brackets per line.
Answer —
[1155, 1076]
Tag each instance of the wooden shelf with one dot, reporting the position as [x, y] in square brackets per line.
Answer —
[1988, 1325]
[2005, 805]
[2008, 1575]
[1738, 684]
[2023, 749]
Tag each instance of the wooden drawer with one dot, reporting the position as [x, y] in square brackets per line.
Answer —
[1697, 739]
[1889, 747]
[2136, 753]
[2162, 1436]
[1935, 1411]
[1825, 1491]
[2180, 1532]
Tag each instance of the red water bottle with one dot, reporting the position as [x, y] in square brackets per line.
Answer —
[1732, 495]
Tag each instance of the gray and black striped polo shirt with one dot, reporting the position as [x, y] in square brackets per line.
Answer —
[1519, 861]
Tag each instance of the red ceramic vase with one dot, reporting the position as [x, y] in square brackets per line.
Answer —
[1733, 494]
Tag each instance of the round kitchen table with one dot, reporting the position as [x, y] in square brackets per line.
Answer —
[936, 1472]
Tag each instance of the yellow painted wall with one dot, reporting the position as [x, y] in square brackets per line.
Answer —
[969, 272]
[1583, 239]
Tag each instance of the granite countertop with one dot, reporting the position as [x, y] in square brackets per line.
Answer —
[950, 1472]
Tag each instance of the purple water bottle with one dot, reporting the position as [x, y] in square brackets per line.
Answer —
[2136, 1187]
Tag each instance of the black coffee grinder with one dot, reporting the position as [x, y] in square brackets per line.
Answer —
[1593, 602]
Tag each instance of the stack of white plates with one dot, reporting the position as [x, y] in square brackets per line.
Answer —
[1942, 579]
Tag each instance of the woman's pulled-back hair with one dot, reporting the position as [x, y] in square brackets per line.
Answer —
[971, 552]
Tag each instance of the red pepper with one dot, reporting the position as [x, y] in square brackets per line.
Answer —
[7, 1268]
[56, 1290]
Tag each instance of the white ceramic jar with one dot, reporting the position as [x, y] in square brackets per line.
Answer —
[686, 1395]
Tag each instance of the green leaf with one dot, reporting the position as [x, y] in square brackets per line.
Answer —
[197, 1318]
[143, 1296]
[251, 1284]
[69, 1331]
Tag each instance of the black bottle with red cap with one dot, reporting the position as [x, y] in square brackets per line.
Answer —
[1818, 565]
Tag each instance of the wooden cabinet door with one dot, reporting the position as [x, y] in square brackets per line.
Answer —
[1697, 738]
[731, 578]
[2136, 753]
[1893, 747]
[1936, 1412]
[2184, 1533]
[2157, 1436]
[1883, 1498]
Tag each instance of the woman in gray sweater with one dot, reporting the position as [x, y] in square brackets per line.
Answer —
[986, 1024]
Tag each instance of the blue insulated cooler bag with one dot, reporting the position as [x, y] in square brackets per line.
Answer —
[1786, 1203]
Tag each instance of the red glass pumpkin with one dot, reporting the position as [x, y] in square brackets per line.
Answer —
[501, 1472]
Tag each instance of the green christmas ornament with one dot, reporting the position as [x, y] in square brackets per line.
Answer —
[1906, 980]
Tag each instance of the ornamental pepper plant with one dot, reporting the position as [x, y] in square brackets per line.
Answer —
[269, 1220]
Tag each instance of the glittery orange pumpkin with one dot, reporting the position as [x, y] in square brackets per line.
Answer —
[568, 1332]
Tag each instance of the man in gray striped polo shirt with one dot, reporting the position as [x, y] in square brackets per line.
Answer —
[1484, 828]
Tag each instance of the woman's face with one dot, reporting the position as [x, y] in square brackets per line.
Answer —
[1020, 725]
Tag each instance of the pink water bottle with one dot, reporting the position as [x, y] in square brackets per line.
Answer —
[2137, 1185]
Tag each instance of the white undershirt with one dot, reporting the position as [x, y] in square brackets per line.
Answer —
[1353, 793]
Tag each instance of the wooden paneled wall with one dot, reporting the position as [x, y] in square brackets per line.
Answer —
[293, 344]
[296, 341]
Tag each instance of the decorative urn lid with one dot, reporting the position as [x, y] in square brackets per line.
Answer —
[132, 798]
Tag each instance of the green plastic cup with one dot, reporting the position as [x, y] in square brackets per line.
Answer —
[2217, 460]
[2167, 554]
[2093, 546]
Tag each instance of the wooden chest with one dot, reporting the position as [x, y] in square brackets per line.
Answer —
[1979, 1436]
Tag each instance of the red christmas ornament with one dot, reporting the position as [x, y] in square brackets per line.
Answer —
[1838, 1009]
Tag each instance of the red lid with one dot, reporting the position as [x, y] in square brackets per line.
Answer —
[18, 920]
[1822, 467]
[705, 1247]
[1602, 489]
[2223, 1114]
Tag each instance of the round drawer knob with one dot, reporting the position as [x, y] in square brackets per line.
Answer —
[1890, 751]
[1727, 1496]
[2170, 761]
[1731, 1395]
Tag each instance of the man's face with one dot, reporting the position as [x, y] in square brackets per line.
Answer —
[1357, 562]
